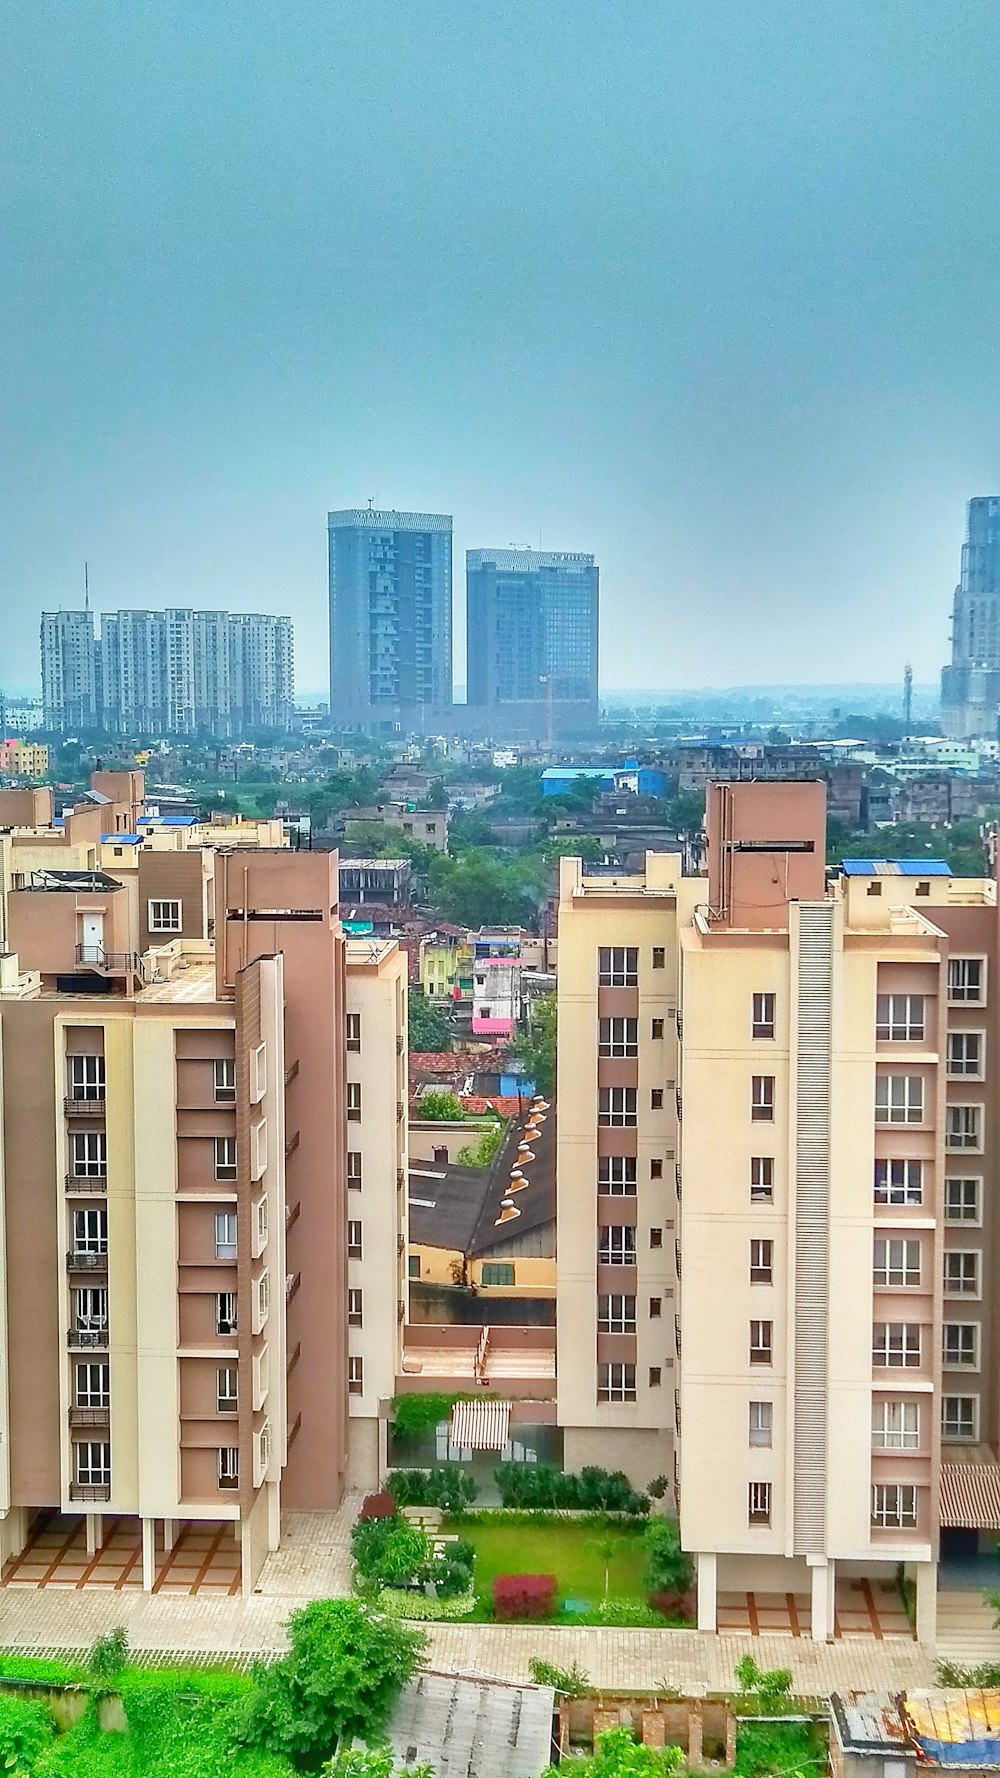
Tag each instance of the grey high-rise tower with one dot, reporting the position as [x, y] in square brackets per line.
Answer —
[390, 620]
[532, 643]
[970, 686]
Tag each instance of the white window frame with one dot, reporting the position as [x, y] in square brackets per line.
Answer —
[226, 1159]
[226, 1313]
[762, 1013]
[958, 1068]
[228, 1467]
[897, 1345]
[260, 1225]
[89, 1152]
[618, 1037]
[164, 915]
[761, 1260]
[762, 1098]
[899, 1182]
[354, 1101]
[616, 1245]
[259, 1150]
[618, 1108]
[962, 992]
[962, 1279]
[894, 1506]
[899, 1098]
[354, 1174]
[758, 1503]
[90, 1308]
[897, 1264]
[87, 1078]
[963, 1200]
[262, 1298]
[953, 1417]
[225, 1234]
[617, 1175]
[93, 1463]
[90, 1231]
[963, 1128]
[762, 1179]
[616, 1382]
[355, 1375]
[355, 1307]
[895, 1425]
[352, 1031]
[955, 1359]
[618, 966]
[761, 1343]
[227, 1400]
[900, 1018]
[258, 1073]
[92, 1383]
[616, 1314]
[355, 1239]
[761, 1424]
[224, 1073]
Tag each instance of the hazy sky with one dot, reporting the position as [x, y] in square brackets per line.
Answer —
[709, 287]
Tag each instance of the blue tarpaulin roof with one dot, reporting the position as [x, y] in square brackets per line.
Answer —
[895, 867]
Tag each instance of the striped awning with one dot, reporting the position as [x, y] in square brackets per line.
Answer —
[970, 1496]
[480, 1425]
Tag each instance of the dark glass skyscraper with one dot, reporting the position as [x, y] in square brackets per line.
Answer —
[390, 619]
[532, 642]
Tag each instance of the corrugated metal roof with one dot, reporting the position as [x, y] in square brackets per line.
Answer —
[970, 1496]
[955, 1727]
[471, 1727]
[895, 867]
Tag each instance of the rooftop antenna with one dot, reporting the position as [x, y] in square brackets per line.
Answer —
[907, 699]
[371, 502]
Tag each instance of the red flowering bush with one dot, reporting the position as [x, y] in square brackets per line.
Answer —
[523, 1596]
[377, 1506]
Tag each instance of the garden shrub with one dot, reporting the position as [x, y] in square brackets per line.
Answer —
[657, 1487]
[448, 1486]
[378, 1506]
[573, 1682]
[530, 1596]
[765, 1749]
[542, 1485]
[669, 1604]
[624, 1611]
[423, 1609]
[26, 1728]
[668, 1568]
[769, 1685]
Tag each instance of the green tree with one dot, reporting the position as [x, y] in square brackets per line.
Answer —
[26, 1728]
[668, 1568]
[536, 1047]
[440, 1106]
[686, 811]
[427, 1022]
[372, 1762]
[618, 1754]
[344, 1670]
[605, 1548]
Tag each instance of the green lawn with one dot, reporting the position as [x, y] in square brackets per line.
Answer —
[565, 1549]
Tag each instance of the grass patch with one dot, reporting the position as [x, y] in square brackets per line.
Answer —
[765, 1749]
[532, 1543]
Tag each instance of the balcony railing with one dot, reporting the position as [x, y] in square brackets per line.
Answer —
[87, 1182]
[89, 1416]
[111, 962]
[90, 1490]
[88, 1336]
[74, 1107]
[78, 1261]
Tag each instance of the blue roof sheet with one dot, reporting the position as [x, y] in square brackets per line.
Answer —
[895, 867]
[121, 839]
[167, 820]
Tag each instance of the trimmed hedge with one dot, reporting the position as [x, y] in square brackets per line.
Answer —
[421, 1609]
[534, 1485]
[531, 1596]
[449, 1486]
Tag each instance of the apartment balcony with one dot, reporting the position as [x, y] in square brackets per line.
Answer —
[90, 1417]
[86, 1262]
[90, 1490]
[85, 1107]
[87, 1183]
[84, 1338]
[517, 1363]
[109, 962]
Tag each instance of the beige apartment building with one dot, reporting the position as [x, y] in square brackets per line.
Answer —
[178, 1073]
[821, 1388]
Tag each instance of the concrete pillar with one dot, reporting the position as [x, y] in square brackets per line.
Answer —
[824, 1584]
[148, 1554]
[708, 1580]
[95, 1527]
[925, 1575]
[696, 1737]
[169, 1535]
[273, 1515]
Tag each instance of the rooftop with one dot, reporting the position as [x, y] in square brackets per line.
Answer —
[482, 1728]
[471, 1209]
[947, 1727]
[895, 867]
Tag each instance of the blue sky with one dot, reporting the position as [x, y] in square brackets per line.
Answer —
[709, 287]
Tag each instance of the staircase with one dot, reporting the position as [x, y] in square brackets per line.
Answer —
[965, 1632]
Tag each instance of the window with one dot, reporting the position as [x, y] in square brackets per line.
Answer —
[895, 1425]
[656, 1029]
[655, 1168]
[229, 1466]
[354, 1242]
[258, 1073]
[617, 1107]
[761, 1417]
[963, 1127]
[354, 1168]
[761, 1262]
[874, 889]
[261, 1223]
[616, 1314]
[659, 957]
[618, 966]
[618, 1037]
[762, 1016]
[225, 1312]
[899, 1182]
[225, 1080]
[897, 1263]
[413, 1265]
[93, 1464]
[90, 1232]
[654, 1376]
[259, 1149]
[616, 1175]
[655, 1307]
[761, 1178]
[899, 1018]
[497, 1272]
[759, 1503]
[762, 1098]
[86, 1077]
[899, 1099]
[355, 1308]
[354, 1031]
[616, 1246]
[656, 1099]
[761, 1341]
[227, 1388]
[960, 1345]
[93, 1386]
[263, 1296]
[616, 1382]
[225, 1157]
[225, 1234]
[355, 1376]
[896, 1345]
[91, 1309]
[965, 1054]
[894, 1506]
[90, 1154]
[354, 1101]
[656, 1237]
[961, 1200]
[961, 1273]
[960, 1417]
[164, 916]
[967, 980]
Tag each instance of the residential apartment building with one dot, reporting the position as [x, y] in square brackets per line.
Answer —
[179, 1335]
[532, 643]
[70, 685]
[970, 685]
[24, 759]
[496, 980]
[390, 620]
[822, 1055]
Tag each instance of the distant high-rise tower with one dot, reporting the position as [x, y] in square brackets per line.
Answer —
[70, 691]
[970, 687]
[390, 619]
[532, 642]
